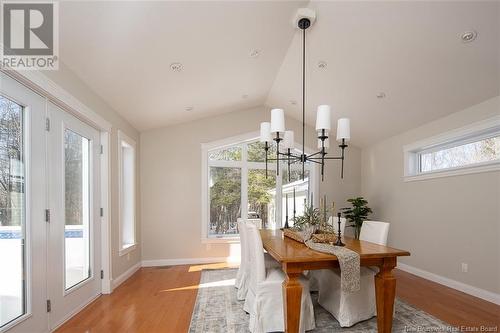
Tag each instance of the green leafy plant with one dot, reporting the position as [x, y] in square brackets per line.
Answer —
[311, 217]
[357, 213]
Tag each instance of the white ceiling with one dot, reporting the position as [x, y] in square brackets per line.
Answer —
[411, 51]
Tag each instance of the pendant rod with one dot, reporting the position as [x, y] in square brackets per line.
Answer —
[303, 99]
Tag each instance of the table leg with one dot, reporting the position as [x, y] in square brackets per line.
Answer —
[385, 288]
[292, 293]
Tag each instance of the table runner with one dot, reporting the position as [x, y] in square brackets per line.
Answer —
[349, 261]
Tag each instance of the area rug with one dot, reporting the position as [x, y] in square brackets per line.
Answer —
[217, 310]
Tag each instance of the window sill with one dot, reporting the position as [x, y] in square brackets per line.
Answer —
[127, 249]
[225, 240]
[495, 166]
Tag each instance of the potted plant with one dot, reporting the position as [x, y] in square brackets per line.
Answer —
[311, 218]
[357, 214]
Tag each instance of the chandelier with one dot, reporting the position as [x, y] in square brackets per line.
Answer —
[275, 130]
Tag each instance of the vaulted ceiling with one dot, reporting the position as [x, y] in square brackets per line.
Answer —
[409, 51]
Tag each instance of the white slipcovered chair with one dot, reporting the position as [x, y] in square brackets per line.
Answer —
[264, 300]
[243, 275]
[351, 308]
[312, 275]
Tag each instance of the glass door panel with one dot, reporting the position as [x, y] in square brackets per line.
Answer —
[77, 205]
[12, 212]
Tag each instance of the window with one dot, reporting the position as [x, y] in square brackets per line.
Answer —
[475, 148]
[126, 153]
[235, 186]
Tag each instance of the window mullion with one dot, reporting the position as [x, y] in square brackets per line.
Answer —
[244, 182]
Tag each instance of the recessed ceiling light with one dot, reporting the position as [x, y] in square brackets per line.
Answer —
[189, 108]
[381, 95]
[255, 53]
[293, 102]
[468, 36]
[176, 66]
[322, 64]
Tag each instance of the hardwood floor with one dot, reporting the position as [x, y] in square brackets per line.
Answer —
[161, 300]
[447, 304]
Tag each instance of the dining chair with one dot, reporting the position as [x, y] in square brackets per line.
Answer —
[313, 275]
[351, 308]
[243, 274]
[241, 282]
[264, 299]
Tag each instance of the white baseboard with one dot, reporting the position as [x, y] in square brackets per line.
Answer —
[122, 278]
[465, 288]
[184, 261]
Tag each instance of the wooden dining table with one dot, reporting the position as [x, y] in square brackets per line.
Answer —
[296, 257]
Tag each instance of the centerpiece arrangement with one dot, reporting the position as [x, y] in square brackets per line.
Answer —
[315, 222]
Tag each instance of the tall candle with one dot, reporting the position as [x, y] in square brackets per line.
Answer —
[286, 204]
[324, 209]
[294, 200]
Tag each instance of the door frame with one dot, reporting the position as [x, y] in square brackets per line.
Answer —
[54, 93]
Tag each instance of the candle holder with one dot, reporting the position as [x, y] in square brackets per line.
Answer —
[339, 233]
[286, 216]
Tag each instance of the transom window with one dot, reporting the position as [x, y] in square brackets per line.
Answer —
[235, 186]
[461, 154]
[474, 148]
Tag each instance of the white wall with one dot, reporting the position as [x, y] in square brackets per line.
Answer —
[443, 222]
[171, 181]
[65, 78]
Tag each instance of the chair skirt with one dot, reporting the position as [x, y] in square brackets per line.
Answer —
[266, 305]
[347, 308]
[243, 276]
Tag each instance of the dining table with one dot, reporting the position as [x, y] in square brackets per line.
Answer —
[295, 258]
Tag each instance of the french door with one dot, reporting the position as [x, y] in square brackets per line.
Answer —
[23, 199]
[49, 211]
[74, 229]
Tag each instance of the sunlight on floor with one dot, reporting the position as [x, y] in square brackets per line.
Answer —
[219, 265]
[222, 283]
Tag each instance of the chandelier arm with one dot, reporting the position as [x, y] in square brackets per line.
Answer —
[314, 161]
[293, 159]
[326, 158]
[316, 153]
[290, 154]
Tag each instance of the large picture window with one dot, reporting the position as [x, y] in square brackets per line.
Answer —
[235, 186]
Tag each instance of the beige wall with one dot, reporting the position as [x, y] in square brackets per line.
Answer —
[445, 221]
[171, 181]
[71, 83]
